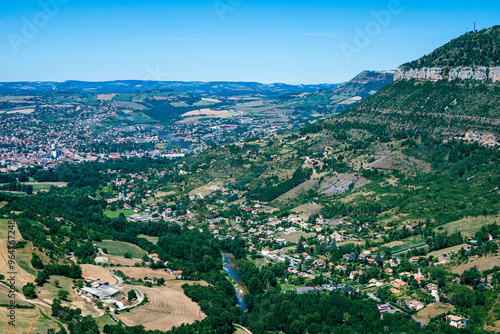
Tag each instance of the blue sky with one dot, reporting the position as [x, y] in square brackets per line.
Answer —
[309, 41]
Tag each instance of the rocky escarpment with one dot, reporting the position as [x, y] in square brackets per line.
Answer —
[458, 73]
[365, 84]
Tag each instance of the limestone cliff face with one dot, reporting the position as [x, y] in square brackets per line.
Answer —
[457, 73]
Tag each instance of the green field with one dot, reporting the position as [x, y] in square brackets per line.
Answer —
[104, 320]
[49, 289]
[4, 297]
[468, 226]
[433, 310]
[23, 259]
[119, 248]
[149, 238]
[4, 227]
[448, 250]
[295, 236]
[286, 288]
[405, 243]
[38, 186]
[115, 214]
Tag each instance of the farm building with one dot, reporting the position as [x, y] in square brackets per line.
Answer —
[456, 321]
[101, 292]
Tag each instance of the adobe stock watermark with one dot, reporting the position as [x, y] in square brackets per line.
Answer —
[364, 37]
[223, 6]
[31, 26]
[155, 74]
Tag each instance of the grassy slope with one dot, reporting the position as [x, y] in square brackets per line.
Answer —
[120, 248]
[115, 214]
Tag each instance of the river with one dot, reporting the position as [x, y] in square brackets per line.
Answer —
[229, 264]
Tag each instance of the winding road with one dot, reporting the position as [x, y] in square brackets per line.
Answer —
[117, 285]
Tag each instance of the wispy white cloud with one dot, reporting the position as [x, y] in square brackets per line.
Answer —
[326, 34]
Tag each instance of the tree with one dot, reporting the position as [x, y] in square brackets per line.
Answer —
[131, 295]
[29, 291]
[36, 262]
[79, 283]
[62, 294]
[41, 278]
[127, 255]
[378, 259]
[56, 282]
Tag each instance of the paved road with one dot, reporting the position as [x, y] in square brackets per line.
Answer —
[118, 279]
[140, 298]
[243, 328]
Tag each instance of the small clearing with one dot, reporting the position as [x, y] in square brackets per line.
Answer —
[433, 310]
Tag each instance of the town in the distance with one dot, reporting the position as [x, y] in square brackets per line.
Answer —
[370, 206]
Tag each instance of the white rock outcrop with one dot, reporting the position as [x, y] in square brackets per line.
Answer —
[426, 73]
[495, 74]
[458, 73]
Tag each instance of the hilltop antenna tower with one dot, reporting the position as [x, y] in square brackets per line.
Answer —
[475, 26]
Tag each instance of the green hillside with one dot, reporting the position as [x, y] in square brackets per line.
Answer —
[397, 146]
[472, 49]
[437, 108]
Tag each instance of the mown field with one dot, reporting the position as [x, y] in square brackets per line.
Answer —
[405, 243]
[119, 248]
[448, 250]
[148, 238]
[90, 270]
[115, 214]
[141, 272]
[121, 261]
[295, 236]
[483, 263]
[168, 306]
[103, 321]
[468, 226]
[433, 310]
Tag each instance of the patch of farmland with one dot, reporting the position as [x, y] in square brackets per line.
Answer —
[167, 306]
[90, 270]
[483, 263]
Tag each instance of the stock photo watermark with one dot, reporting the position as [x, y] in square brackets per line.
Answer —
[363, 37]
[32, 25]
[224, 6]
[155, 74]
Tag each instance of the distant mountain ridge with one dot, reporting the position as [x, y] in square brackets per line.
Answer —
[365, 83]
[195, 87]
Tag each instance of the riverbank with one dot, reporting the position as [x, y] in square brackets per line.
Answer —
[229, 265]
